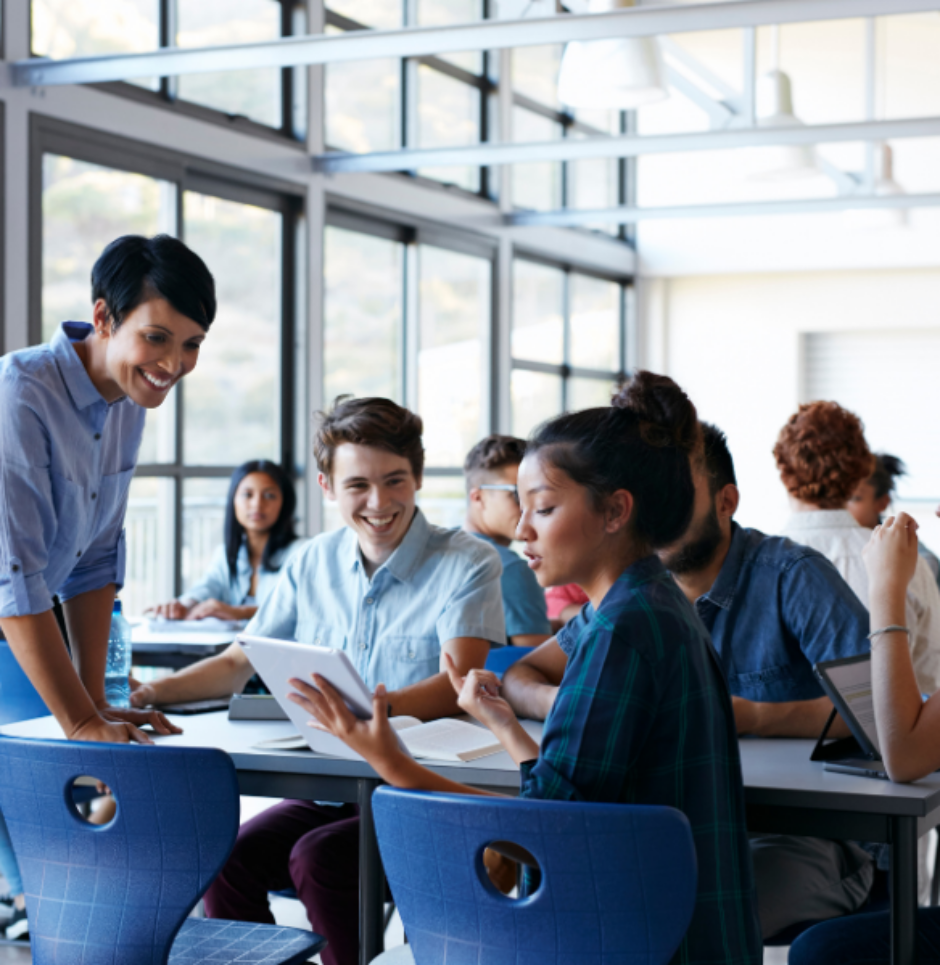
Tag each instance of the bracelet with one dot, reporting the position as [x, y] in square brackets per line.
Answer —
[894, 628]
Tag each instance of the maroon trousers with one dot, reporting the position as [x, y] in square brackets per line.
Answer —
[310, 847]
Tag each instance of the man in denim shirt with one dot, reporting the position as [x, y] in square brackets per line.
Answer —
[773, 609]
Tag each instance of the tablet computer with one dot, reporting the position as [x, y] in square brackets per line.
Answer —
[276, 661]
[847, 683]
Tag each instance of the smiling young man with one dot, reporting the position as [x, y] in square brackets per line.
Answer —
[492, 470]
[73, 415]
[396, 594]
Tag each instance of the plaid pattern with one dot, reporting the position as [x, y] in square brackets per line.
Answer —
[643, 716]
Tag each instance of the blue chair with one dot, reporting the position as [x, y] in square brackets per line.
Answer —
[19, 699]
[618, 882]
[119, 894]
[500, 659]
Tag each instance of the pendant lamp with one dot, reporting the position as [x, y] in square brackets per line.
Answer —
[622, 73]
[884, 186]
[780, 162]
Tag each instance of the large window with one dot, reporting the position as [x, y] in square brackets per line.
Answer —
[567, 345]
[236, 405]
[272, 98]
[409, 318]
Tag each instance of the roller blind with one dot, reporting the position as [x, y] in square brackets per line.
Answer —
[891, 379]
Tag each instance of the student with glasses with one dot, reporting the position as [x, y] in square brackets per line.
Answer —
[491, 469]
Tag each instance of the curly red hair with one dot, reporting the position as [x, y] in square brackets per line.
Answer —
[822, 454]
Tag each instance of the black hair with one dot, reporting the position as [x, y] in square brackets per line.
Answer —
[717, 458]
[282, 532]
[642, 443]
[887, 470]
[134, 269]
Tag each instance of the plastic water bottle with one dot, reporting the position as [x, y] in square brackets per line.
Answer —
[117, 688]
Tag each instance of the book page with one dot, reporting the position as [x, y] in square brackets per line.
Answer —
[450, 740]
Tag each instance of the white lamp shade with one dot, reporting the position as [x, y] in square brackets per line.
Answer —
[884, 187]
[619, 74]
[782, 162]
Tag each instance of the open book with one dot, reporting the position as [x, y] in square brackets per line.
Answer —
[438, 740]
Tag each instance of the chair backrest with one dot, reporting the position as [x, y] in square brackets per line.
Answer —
[618, 882]
[19, 699]
[120, 892]
[500, 659]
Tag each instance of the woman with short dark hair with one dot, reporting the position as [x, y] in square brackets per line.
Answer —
[73, 416]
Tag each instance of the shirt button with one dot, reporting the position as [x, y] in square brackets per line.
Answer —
[316, 642]
[15, 568]
[94, 495]
[369, 601]
[97, 435]
[362, 646]
[79, 553]
[411, 654]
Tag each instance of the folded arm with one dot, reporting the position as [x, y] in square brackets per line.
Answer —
[531, 684]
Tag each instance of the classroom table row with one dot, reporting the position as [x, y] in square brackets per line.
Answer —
[785, 793]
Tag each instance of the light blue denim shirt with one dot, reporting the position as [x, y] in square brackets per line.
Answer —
[438, 584]
[66, 461]
[218, 583]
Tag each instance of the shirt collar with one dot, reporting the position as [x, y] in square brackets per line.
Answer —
[407, 555]
[822, 519]
[636, 574]
[722, 591]
[76, 378]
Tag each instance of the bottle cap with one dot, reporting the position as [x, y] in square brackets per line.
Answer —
[117, 607]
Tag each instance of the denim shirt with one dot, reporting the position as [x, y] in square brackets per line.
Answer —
[219, 584]
[775, 609]
[438, 584]
[66, 461]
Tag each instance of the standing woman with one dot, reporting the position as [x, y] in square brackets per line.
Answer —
[73, 415]
[259, 537]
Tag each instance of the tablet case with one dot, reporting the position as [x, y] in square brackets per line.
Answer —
[857, 747]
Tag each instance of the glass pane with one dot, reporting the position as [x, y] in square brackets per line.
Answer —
[588, 393]
[443, 499]
[454, 311]
[536, 397]
[159, 441]
[364, 294]
[448, 114]
[148, 524]
[909, 66]
[538, 184]
[86, 28]
[84, 208]
[535, 73]
[203, 516]
[380, 14]
[232, 400]
[436, 13]
[208, 23]
[363, 104]
[538, 312]
[595, 323]
[594, 183]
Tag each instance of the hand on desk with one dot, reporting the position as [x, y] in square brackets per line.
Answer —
[174, 610]
[220, 610]
[140, 718]
[142, 695]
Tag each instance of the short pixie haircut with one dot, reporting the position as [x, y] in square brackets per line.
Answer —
[491, 454]
[822, 455]
[375, 422]
[134, 269]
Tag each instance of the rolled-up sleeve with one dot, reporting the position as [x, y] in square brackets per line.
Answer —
[27, 510]
[475, 608]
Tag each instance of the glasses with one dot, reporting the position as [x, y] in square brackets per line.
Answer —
[503, 488]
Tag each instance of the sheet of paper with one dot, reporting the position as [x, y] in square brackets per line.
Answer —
[208, 625]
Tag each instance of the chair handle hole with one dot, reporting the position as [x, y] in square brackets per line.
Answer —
[91, 801]
[508, 871]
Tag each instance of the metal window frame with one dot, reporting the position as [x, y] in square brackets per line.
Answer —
[53, 136]
[565, 370]
[166, 95]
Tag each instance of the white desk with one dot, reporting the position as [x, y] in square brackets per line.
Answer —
[785, 792]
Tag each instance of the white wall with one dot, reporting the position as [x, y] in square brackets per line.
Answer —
[733, 343]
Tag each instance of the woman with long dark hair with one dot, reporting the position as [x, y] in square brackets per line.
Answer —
[259, 537]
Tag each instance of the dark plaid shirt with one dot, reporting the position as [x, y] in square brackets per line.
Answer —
[643, 716]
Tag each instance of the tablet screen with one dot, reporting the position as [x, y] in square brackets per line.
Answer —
[852, 680]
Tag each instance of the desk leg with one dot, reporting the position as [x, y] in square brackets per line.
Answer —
[903, 891]
[371, 880]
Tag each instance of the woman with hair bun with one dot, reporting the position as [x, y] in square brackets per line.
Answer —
[642, 714]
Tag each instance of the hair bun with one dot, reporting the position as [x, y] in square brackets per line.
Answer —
[665, 413]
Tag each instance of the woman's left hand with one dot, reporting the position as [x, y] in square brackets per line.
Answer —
[213, 608]
[478, 694]
[374, 739]
[140, 718]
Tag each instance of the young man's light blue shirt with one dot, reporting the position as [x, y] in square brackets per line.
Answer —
[438, 584]
[66, 461]
[523, 598]
[219, 584]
